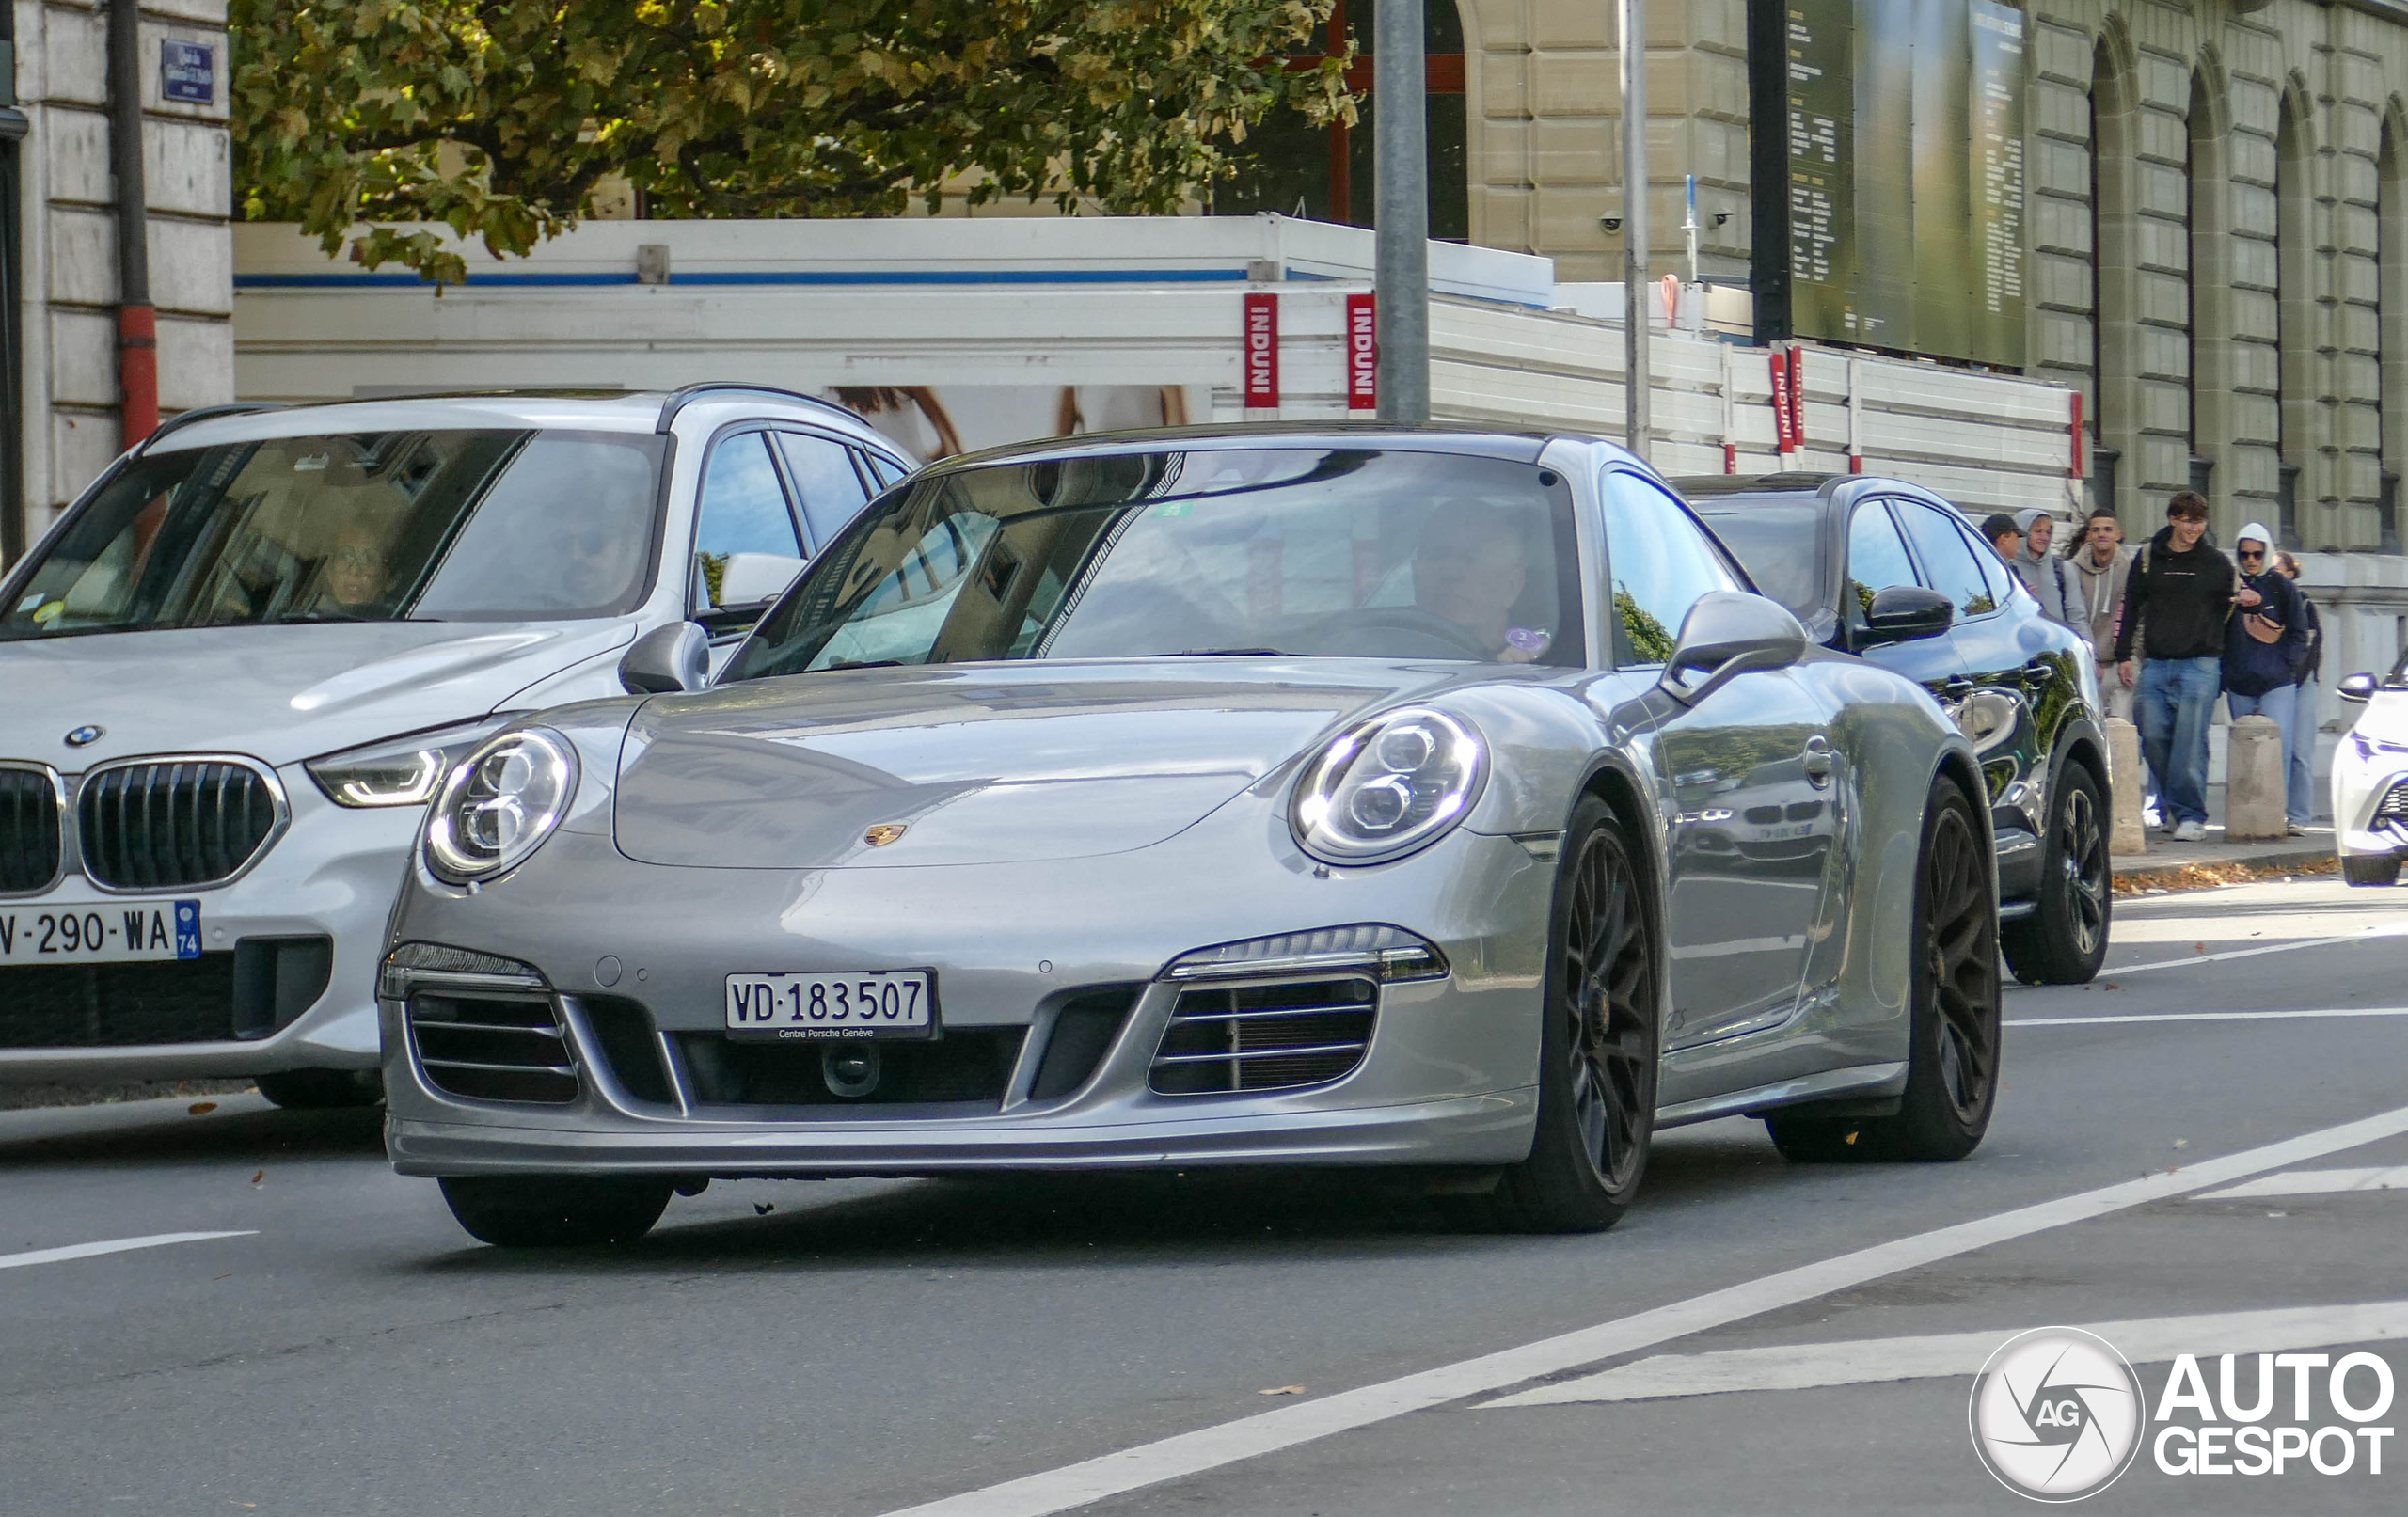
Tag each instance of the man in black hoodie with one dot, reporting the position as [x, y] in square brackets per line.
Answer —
[2175, 604]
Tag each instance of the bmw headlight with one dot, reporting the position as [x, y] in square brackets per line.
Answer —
[1393, 784]
[400, 771]
[497, 808]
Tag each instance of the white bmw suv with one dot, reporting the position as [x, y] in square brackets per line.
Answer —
[235, 670]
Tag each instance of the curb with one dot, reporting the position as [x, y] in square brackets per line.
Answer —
[2164, 870]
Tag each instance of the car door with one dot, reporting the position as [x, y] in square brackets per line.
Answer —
[1877, 559]
[748, 545]
[1985, 690]
[1747, 779]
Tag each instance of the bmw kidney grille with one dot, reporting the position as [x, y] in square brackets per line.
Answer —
[161, 824]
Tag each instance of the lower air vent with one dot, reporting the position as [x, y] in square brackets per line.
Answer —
[1264, 1036]
[2394, 806]
[493, 1048]
[118, 1005]
[1083, 1031]
[968, 1068]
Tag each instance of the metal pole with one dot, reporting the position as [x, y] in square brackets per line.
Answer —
[1401, 210]
[137, 326]
[1635, 373]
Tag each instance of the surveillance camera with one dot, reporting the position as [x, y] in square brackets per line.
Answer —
[1721, 218]
[1610, 223]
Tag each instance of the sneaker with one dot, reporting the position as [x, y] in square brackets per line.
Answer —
[2295, 830]
[2191, 831]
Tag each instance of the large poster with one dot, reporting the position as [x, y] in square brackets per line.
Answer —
[1889, 175]
[936, 421]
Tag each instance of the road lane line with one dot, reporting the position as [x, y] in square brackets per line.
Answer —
[2366, 936]
[2207, 1016]
[1797, 1367]
[1206, 1448]
[114, 1245]
[2314, 1182]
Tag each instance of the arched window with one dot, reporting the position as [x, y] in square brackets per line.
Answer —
[1288, 166]
[2113, 361]
[2294, 318]
[2391, 322]
[2210, 288]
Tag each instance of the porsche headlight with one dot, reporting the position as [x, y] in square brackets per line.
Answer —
[400, 771]
[1393, 784]
[497, 808]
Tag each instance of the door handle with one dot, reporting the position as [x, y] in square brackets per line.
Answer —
[1817, 761]
[1956, 688]
[2040, 672]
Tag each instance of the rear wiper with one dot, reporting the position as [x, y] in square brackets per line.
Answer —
[1230, 653]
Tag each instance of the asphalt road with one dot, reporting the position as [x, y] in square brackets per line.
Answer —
[855, 1349]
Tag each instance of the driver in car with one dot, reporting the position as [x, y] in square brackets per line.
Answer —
[1469, 569]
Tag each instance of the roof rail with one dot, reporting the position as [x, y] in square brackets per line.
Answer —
[687, 394]
[202, 413]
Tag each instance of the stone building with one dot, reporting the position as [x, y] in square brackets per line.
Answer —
[64, 340]
[2216, 242]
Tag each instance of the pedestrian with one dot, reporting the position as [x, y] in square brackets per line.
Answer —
[2096, 568]
[2005, 538]
[2300, 790]
[2264, 643]
[2169, 651]
[2043, 573]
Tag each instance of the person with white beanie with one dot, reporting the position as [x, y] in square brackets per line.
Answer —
[2265, 642]
[2042, 572]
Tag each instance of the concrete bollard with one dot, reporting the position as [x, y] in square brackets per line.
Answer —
[2253, 793]
[2127, 836]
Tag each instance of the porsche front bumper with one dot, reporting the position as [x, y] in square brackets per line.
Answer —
[1448, 1076]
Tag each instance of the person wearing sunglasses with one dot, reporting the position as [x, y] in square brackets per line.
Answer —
[2169, 651]
[2265, 641]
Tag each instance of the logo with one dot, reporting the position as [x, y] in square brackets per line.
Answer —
[2057, 1414]
[884, 833]
[85, 736]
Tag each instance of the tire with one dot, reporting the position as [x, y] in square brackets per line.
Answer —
[1599, 1040]
[1954, 1012]
[2063, 942]
[318, 1090]
[548, 1211]
[2370, 869]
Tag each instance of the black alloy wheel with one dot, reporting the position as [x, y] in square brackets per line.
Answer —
[1954, 1023]
[2063, 942]
[1598, 1042]
[555, 1211]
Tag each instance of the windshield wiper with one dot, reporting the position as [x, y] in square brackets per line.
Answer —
[866, 663]
[1230, 653]
[305, 618]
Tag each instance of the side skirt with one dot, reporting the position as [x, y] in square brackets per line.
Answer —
[1869, 1080]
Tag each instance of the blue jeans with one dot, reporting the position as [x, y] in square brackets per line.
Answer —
[2172, 707]
[2281, 706]
[2301, 748]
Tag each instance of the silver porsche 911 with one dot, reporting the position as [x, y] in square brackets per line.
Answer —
[1247, 797]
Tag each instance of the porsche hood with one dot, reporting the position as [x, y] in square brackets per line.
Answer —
[952, 765]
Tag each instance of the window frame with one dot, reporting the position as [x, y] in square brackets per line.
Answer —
[1607, 622]
[1973, 544]
[723, 622]
[1888, 506]
[854, 456]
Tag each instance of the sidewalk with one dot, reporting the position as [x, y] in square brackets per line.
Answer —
[2192, 865]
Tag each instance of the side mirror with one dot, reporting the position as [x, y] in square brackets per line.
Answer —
[1727, 633]
[755, 578]
[1903, 614]
[2357, 688]
[666, 660]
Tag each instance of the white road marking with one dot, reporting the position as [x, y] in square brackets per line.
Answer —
[2314, 1182]
[1796, 1367]
[114, 1245]
[2394, 930]
[1267, 1432]
[2206, 1017]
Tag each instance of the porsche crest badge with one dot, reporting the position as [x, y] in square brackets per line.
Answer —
[884, 833]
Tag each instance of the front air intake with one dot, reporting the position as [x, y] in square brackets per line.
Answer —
[1261, 1037]
[175, 824]
[493, 1047]
[29, 828]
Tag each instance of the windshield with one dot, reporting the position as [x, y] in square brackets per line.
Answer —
[473, 526]
[1777, 544]
[1305, 551]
